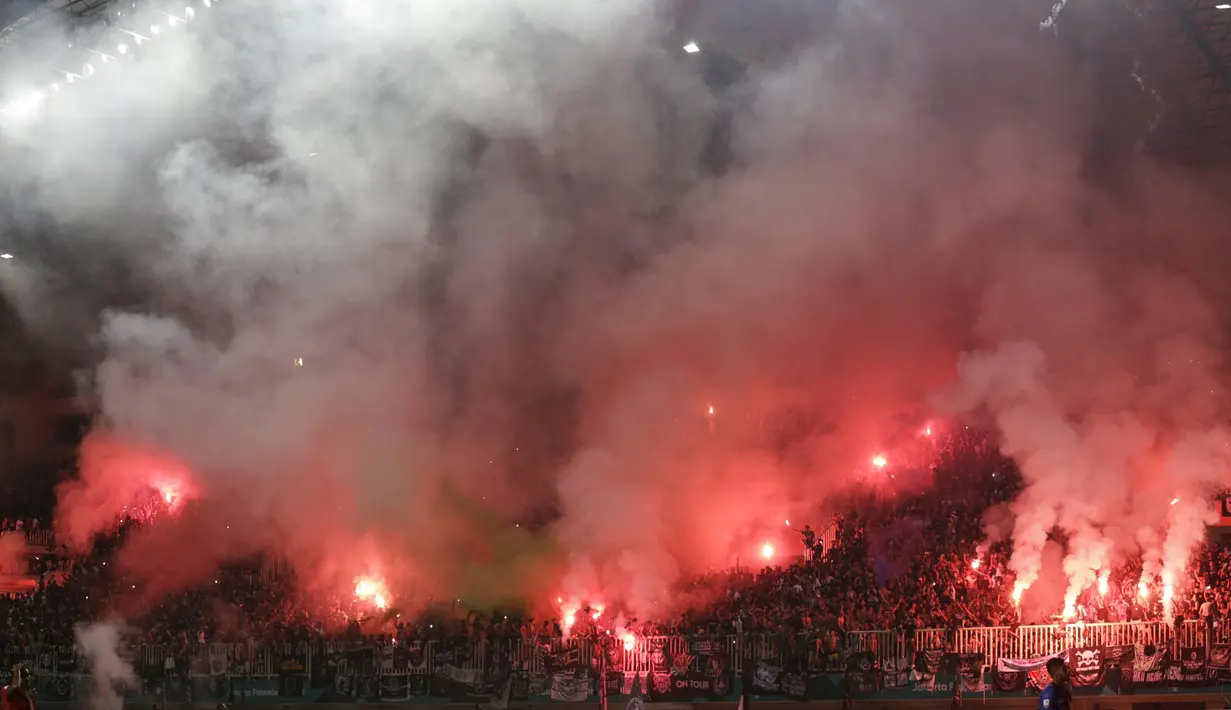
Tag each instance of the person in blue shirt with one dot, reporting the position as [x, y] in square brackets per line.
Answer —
[1056, 695]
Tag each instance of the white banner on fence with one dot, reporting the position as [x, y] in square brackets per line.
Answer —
[1025, 665]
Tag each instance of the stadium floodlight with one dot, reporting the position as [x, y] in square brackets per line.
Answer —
[23, 108]
[176, 20]
[72, 77]
[692, 48]
[138, 38]
[1224, 6]
[6, 256]
[103, 55]
[26, 107]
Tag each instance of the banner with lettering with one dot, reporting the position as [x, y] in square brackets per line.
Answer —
[1188, 670]
[1086, 666]
[1218, 664]
[863, 673]
[689, 685]
[897, 672]
[570, 686]
[925, 668]
[1017, 674]
[1149, 666]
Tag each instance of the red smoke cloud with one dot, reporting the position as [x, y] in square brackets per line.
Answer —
[119, 479]
[531, 294]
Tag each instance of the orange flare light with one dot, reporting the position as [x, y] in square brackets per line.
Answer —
[879, 461]
[767, 551]
[368, 589]
[568, 616]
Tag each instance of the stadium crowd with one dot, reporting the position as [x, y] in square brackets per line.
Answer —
[902, 561]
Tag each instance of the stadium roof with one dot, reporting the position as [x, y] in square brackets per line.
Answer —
[1177, 53]
[25, 17]
[1188, 49]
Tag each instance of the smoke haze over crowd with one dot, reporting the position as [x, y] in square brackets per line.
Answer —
[398, 274]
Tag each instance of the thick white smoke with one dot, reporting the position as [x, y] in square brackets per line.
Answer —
[101, 645]
[1135, 449]
[391, 276]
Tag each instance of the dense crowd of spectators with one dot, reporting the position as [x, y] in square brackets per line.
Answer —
[901, 558]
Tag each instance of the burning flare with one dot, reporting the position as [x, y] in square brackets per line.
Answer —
[568, 616]
[373, 590]
[169, 494]
[767, 551]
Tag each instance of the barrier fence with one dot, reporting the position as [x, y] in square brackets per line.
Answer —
[807, 651]
[1026, 641]
[42, 537]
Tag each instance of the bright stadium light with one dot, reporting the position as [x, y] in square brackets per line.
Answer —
[138, 38]
[102, 55]
[6, 255]
[24, 107]
[72, 77]
[692, 48]
[1224, 6]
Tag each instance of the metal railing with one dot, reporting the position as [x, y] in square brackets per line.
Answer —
[1026, 641]
[645, 655]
